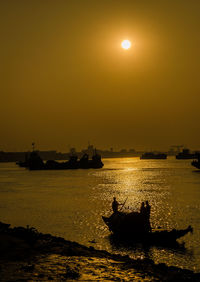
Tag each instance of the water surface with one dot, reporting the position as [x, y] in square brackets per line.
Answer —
[70, 203]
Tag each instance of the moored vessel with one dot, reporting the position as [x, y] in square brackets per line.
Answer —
[33, 161]
[196, 163]
[186, 155]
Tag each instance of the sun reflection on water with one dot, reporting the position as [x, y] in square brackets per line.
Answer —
[70, 203]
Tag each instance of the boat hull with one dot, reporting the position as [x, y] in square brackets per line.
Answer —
[53, 165]
[135, 231]
[34, 162]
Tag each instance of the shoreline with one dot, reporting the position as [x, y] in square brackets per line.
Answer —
[29, 255]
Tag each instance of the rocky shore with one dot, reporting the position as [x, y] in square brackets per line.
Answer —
[28, 255]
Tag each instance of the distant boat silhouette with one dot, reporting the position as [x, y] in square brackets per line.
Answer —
[186, 155]
[151, 155]
[196, 163]
[35, 162]
[25, 163]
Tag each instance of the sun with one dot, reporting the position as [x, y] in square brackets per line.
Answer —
[126, 44]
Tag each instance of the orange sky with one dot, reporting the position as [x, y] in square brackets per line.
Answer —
[65, 80]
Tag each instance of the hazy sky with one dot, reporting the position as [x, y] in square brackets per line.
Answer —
[65, 80]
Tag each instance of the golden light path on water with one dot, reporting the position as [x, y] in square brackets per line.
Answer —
[71, 203]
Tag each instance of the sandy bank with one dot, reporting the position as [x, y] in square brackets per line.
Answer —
[28, 255]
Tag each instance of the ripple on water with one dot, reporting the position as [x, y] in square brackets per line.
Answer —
[70, 203]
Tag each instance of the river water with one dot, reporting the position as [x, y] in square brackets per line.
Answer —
[70, 203]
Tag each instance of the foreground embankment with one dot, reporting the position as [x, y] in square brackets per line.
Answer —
[28, 255]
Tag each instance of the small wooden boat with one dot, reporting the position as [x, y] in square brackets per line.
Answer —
[136, 227]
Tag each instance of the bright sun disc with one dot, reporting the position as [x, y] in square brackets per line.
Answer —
[126, 44]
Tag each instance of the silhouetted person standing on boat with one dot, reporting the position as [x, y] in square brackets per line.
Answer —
[148, 211]
[115, 205]
[142, 209]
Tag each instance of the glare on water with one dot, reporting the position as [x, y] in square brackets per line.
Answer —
[70, 203]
